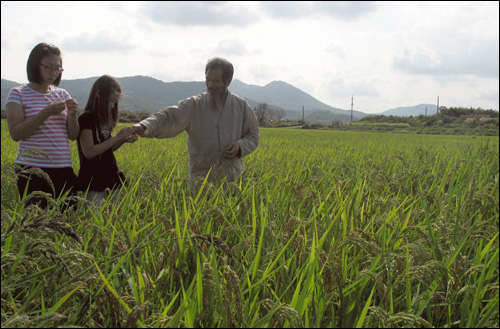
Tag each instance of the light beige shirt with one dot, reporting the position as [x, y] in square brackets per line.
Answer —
[211, 127]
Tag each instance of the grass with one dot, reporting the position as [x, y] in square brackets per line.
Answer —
[325, 229]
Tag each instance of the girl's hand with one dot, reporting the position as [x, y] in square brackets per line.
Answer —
[132, 138]
[55, 108]
[125, 133]
[72, 105]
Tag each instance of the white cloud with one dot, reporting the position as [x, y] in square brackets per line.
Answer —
[198, 13]
[336, 50]
[232, 47]
[344, 10]
[100, 41]
[286, 9]
[388, 54]
[346, 87]
[473, 58]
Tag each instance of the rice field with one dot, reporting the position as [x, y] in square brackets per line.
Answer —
[325, 229]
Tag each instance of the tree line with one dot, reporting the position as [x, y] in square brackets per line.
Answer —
[451, 115]
[446, 115]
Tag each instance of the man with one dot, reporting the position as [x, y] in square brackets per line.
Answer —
[221, 126]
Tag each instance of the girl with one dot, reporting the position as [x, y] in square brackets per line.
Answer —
[99, 174]
[42, 118]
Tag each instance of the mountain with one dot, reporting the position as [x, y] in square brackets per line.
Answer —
[291, 99]
[141, 93]
[6, 86]
[411, 110]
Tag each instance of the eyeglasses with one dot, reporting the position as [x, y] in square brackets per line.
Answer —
[50, 69]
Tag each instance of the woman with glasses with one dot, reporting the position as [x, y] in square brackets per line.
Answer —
[42, 118]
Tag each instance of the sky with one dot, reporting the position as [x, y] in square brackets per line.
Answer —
[383, 54]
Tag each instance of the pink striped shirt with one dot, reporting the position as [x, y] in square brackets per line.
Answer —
[51, 136]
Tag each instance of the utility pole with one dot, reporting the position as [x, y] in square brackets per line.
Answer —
[352, 103]
[437, 108]
[303, 113]
[426, 111]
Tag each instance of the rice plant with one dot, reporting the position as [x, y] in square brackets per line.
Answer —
[324, 229]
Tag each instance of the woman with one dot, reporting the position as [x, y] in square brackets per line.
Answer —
[42, 118]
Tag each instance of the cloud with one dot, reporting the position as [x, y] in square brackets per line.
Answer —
[464, 41]
[101, 41]
[344, 10]
[198, 13]
[336, 50]
[338, 86]
[490, 95]
[475, 58]
[286, 10]
[231, 47]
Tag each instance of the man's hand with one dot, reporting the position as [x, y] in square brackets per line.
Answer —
[232, 150]
[138, 129]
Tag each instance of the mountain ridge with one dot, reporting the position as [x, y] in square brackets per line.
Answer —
[144, 93]
[416, 110]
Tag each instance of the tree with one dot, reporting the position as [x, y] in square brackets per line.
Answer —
[261, 112]
[271, 113]
[280, 114]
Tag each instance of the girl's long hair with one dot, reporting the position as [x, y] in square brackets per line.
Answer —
[98, 102]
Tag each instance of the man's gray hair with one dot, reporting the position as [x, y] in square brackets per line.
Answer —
[223, 64]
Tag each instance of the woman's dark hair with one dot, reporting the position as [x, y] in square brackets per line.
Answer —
[224, 65]
[98, 102]
[38, 53]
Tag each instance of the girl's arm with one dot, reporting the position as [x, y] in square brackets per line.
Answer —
[19, 128]
[91, 150]
[72, 121]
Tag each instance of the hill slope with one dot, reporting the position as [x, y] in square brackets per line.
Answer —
[421, 109]
[141, 93]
